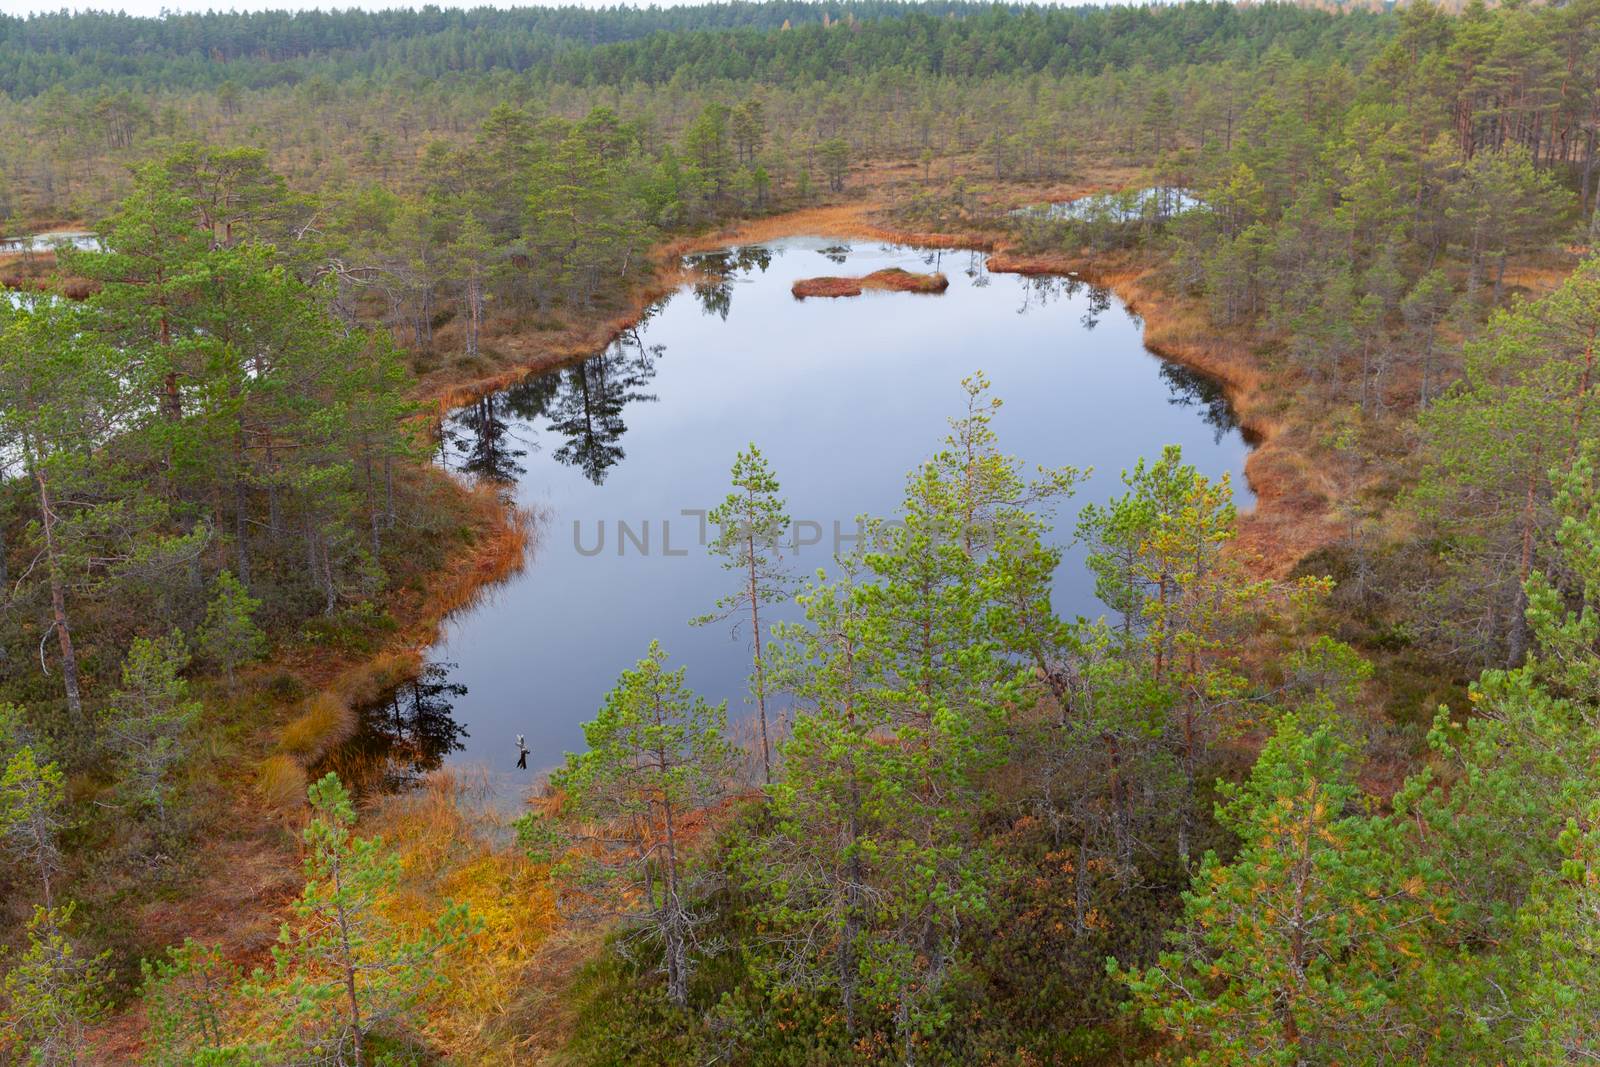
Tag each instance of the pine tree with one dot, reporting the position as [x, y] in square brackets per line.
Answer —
[50, 994]
[1301, 949]
[229, 635]
[342, 968]
[812, 873]
[62, 403]
[658, 759]
[1157, 555]
[751, 524]
[949, 586]
[151, 718]
[1525, 406]
[31, 795]
[190, 999]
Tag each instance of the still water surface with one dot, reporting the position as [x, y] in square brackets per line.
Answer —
[843, 396]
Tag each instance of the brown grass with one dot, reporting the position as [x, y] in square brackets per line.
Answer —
[455, 846]
[282, 782]
[890, 279]
[251, 873]
[325, 721]
[826, 286]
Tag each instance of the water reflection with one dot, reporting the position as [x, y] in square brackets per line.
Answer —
[714, 287]
[481, 436]
[1191, 389]
[715, 294]
[582, 404]
[1158, 203]
[844, 396]
[407, 734]
[1039, 291]
[82, 240]
[587, 409]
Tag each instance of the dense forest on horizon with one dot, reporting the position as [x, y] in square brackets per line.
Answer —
[1317, 787]
[778, 43]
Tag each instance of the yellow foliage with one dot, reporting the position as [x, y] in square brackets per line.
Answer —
[451, 849]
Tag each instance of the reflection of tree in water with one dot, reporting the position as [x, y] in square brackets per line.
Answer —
[714, 289]
[977, 268]
[480, 438]
[587, 408]
[836, 253]
[407, 734]
[1191, 389]
[584, 404]
[1041, 290]
[1099, 304]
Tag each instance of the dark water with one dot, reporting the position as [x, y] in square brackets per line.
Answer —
[843, 396]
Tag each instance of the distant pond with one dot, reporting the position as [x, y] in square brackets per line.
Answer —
[618, 455]
[81, 240]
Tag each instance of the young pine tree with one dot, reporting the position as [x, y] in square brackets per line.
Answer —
[343, 968]
[1157, 556]
[1302, 949]
[50, 994]
[31, 793]
[151, 717]
[950, 585]
[229, 635]
[751, 523]
[658, 760]
[812, 873]
[190, 1000]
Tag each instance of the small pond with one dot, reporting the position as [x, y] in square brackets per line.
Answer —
[618, 455]
[81, 240]
[1155, 204]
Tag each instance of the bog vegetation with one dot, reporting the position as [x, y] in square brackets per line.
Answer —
[1316, 788]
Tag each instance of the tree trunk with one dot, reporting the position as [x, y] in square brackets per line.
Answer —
[241, 531]
[58, 597]
[351, 997]
[673, 927]
[760, 679]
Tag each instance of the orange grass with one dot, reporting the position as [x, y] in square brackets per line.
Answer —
[890, 279]
[1295, 488]
[1293, 484]
[454, 846]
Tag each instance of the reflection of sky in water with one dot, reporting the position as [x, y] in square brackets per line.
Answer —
[49, 242]
[843, 396]
[1154, 203]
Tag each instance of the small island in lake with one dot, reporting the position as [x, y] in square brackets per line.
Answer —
[892, 279]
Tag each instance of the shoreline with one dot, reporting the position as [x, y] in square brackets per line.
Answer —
[1290, 517]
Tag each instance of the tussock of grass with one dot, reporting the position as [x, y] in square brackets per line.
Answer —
[324, 721]
[368, 681]
[896, 280]
[827, 286]
[281, 780]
